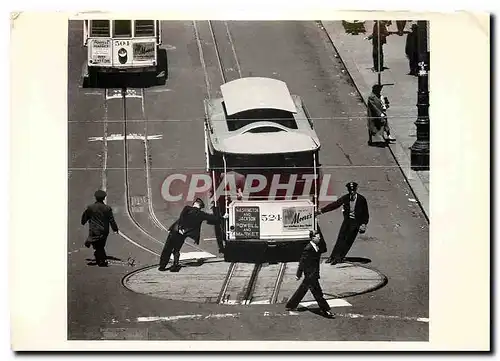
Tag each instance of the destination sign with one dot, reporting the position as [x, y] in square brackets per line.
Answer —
[247, 222]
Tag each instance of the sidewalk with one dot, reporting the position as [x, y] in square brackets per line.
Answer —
[356, 54]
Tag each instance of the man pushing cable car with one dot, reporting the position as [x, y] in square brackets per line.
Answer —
[356, 217]
[188, 225]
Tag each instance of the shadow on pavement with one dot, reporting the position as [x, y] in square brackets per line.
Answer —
[317, 311]
[357, 260]
[108, 257]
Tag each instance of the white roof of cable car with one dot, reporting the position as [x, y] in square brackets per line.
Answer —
[256, 93]
[269, 143]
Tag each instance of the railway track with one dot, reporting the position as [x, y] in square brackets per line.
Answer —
[128, 196]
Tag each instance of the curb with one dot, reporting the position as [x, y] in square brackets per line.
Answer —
[411, 177]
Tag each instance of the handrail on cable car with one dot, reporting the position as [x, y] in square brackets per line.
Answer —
[225, 195]
[315, 190]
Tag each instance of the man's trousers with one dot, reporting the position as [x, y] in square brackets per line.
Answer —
[173, 244]
[347, 234]
[315, 288]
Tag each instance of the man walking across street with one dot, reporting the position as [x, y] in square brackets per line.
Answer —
[100, 217]
[188, 225]
[356, 216]
[377, 118]
[309, 266]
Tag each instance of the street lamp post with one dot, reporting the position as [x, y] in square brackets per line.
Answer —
[420, 150]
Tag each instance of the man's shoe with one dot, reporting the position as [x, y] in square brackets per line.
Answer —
[329, 260]
[328, 314]
[291, 309]
[103, 264]
[162, 268]
[175, 268]
[337, 261]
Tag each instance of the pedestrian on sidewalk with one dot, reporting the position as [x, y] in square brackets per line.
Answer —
[411, 49]
[309, 266]
[377, 121]
[400, 24]
[188, 225]
[379, 38]
[356, 217]
[100, 217]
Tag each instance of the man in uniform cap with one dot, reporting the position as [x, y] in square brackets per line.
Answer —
[188, 225]
[356, 216]
[100, 217]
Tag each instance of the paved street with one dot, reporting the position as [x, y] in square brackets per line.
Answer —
[395, 245]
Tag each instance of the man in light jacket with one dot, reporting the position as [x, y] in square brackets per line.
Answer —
[377, 118]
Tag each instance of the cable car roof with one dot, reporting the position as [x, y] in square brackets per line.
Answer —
[269, 143]
[256, 93]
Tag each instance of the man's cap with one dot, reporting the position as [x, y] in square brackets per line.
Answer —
[352, 185]
[200, 202]
[100, 194]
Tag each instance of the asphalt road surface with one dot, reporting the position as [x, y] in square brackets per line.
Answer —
[133, 171]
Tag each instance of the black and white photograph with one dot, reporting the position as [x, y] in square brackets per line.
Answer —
[248, 180]
[231, 184]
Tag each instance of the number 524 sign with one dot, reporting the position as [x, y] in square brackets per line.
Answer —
[270, 217]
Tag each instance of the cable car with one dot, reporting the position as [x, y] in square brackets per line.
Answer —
[123, 46]
[260, 140]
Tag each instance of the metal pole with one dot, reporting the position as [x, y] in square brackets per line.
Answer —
[315, 182]
[420, 150]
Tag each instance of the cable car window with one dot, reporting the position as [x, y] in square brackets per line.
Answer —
[239, 120]
[271, 161]
[265, 130]
[122, 28]
[144, 28]
[99, 28]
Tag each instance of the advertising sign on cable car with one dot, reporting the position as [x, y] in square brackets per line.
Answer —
[297, 218]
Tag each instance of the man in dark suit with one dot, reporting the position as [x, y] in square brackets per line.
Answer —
[411, 50]
[188, 225]
[100, 217]
[309, 266]
[356, 216]
[379, 38]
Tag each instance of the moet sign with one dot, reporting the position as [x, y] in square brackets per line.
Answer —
[297, 218]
